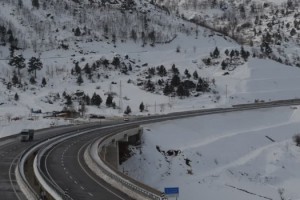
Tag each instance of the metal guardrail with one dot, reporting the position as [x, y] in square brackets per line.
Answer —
[28, 152]
[26, 188]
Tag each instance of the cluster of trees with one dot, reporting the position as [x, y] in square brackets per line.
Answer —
[6, 36]
[18, 62]
[92, 70]
[95, 100]
[231, 60]
[95, 20]
[180, 85]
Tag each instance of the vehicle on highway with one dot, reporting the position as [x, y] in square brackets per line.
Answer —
[26, 135]
[126, 119]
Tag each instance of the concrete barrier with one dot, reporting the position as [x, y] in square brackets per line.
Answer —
[95, 159]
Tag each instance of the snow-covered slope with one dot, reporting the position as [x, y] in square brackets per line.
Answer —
[224, 156]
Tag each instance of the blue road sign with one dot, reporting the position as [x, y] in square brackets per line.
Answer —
[172, 191]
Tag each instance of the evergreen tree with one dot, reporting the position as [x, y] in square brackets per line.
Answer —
[216, 53]
[195, 75]
[224, 65]
[133, 35]
[187, 73]
[34, 64]
[127, 111]
[36, 3]
[44, 82]
[227, 52]
[79, 80]
[244, 54]
[116, 62]
[68, 100]
[96, 100]
[167, 89]
[231, 54]
[15, 79]
[175, 80]
[87, 69]
[16, 97]
[180, 90]
[142, 107]
[202, 86]
[162, 71]
[77, 32]
[175, 70]
[109, 100]
[77, 68]
[18, 62]
[150, 86]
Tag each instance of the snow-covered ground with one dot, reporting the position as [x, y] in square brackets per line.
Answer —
[223, 156]
[256, 79]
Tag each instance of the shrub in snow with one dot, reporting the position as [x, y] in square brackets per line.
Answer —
[296, 139]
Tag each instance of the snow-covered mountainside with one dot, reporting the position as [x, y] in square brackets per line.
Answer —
[271, 28]
[137, 57]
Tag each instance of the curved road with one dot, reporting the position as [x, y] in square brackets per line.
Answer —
[64, 163]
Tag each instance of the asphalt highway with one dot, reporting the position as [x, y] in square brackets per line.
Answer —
[64, 165]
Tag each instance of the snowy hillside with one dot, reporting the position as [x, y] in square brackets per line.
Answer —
[229, 156]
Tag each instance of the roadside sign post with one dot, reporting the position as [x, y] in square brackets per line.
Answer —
[172, 192]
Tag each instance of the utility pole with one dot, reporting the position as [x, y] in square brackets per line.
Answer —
[226, 91]
[120, 99]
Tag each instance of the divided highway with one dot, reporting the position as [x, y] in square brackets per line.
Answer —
[64, 165]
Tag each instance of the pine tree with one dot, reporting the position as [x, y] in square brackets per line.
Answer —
[109, 100]
[15, 79]
[167, 89]
[96, 100]
[224, 65]
[36, 3]
[16, 97]
[175, 70]
[127, 111]
[180, 90]
[18, 62]
[142, 107]
[175, 80]
[77, 68]
[68, 100]
[79, 80]
[195, 75]
[87, 69]
[231, 54]
[77, 32]
[227, 52]
[34, 64]
[187, 73]
[44, 82]
[216, 53]
[116, 62]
